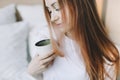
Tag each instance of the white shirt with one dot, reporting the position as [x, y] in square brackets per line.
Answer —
[69, 67]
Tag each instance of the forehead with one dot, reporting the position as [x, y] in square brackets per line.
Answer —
[48, 3]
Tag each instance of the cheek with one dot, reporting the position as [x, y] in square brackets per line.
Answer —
[60, 16]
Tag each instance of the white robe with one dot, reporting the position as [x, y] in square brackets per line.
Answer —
[69, 67]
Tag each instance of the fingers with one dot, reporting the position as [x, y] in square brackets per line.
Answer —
[49, 59]
[42, 68]
[46, 60]
[47, 55]
[38, 65]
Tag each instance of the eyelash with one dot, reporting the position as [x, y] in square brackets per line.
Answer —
[55, 9]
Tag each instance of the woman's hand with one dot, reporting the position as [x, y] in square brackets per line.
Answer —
[39, 65]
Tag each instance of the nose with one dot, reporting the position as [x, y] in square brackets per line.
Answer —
[54, 17]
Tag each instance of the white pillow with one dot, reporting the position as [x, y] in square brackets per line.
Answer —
[13, 51]
[7, 14]
[33, 14]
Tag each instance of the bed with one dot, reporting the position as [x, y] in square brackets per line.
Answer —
[21, 24]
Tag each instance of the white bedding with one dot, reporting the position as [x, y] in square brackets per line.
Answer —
[13, 51]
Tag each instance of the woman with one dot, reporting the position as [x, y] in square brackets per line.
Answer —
[82, 41]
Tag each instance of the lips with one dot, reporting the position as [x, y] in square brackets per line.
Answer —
[59, 25]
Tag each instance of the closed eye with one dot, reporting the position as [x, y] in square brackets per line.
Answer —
[57, 9]
[55, 6]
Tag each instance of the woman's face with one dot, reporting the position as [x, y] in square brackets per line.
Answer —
[55, 14]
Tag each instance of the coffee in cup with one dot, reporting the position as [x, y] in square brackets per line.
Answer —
[43, 47]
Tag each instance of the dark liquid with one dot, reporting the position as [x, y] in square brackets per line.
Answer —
[43, 42]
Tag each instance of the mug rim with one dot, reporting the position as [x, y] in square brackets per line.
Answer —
[43, 42]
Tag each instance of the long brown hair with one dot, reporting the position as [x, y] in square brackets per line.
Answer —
[89, 32]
